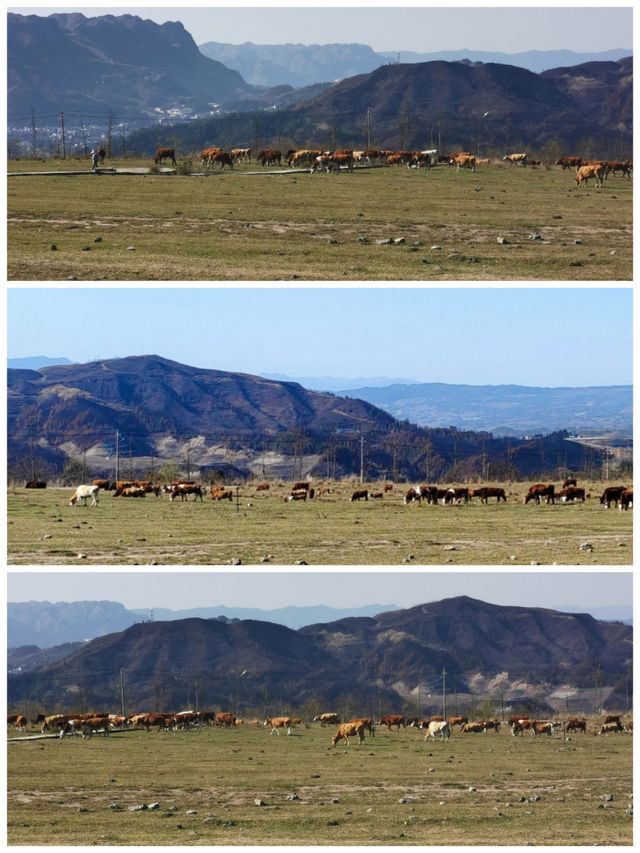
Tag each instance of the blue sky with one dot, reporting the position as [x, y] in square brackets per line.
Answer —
[269, 590]
[528, 336]
[422, 28]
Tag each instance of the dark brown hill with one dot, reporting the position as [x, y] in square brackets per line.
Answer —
[443, 104]
[160, 405]
[381, 660]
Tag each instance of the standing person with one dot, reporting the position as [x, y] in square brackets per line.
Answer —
[94, 159]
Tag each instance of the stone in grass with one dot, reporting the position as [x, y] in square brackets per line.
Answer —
[586, 546]
[153, 807]
[140, 808]
[503, 241]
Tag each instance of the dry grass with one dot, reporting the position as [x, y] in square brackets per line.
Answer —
[235, 225]
[331, 530]
[474, 790]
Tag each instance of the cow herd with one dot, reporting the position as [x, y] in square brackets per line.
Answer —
[317, 160]
[539, 493]
[435, 727]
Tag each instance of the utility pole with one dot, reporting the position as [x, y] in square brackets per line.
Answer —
[122, 692]
[117, 455]
[369, 127]
[33, 133]
[361, 457]
[109, 129]
[64, 148]
[84, 466]
[444, 693]
[83, 130]
[419, 707]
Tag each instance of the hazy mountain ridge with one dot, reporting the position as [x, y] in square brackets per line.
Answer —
[43, 624]
[302, 64]
[512, 409]
[378, 659]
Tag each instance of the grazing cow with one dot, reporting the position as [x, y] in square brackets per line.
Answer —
[19, 721]
[207, 154]
[486, 492]
[457, 496]
[584, 173]
[572, 493]
[83, 493]
[303, 157]
[610, 728]
[438, 728]
[222, 158]
[539, 491]
[105, 485]
[219, 493]
[576, 725]
[35, 484]
[130, 492]
[298, 495]
[348, 730]
[613, 718]
[262, 487]
[473, 728]
[388, 487]
[613, 166]
[269, 157]
[224, 718]
[628, 727]
[626, 500]
[542, 728]
[516, 159]
[359, 495]
[53, 722]
[277, 723]
[165, 154]
[612, 494]
[569, 162]
[240, 155]
[183, 490]
[519, 727]
[463, 161]
[569, 481]
[303, 485]
[328, 719]
[491, 724]
[457, 721]
[367, 722]
[396, 720]
[376, 495]
[414, 494]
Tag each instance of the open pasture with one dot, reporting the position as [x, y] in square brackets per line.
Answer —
[396, 789]
[261, 527]
[233, 225]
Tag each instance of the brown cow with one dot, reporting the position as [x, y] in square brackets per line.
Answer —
[486, 492]
[569, 162]
[516, 159]
[575, 725]
[572, 493]
[396, 720]
[269, 157]
[347, 730]
[584, 173]
[359, 495]
[626, 500]
[463, 161]
[165, 154]
[539, 491]
[277, 723]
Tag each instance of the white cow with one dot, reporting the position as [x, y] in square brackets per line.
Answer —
[440, 728]
[84, 492]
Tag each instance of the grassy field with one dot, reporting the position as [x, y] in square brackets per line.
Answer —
[476, 789]
[233, 225]
[262, 527]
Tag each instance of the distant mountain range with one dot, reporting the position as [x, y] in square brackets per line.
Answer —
[375, 663]
[45, 624]
[35, 362]
[238, 425]
[506, 409]
[303, 64]
[334, 384]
